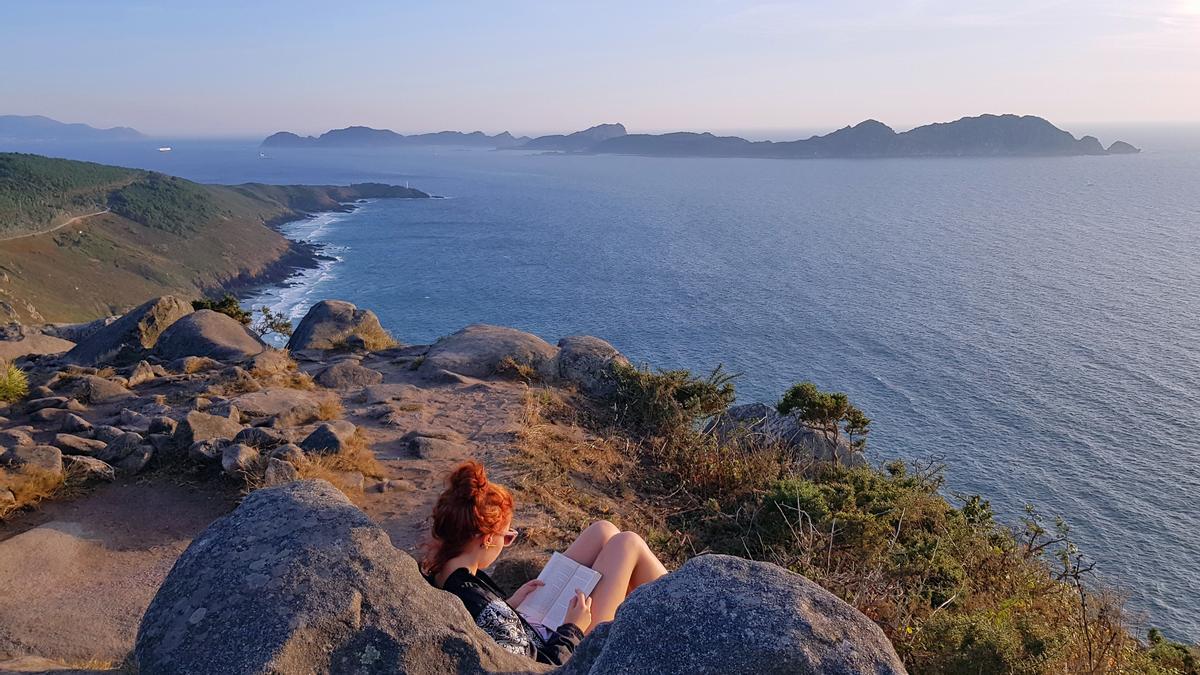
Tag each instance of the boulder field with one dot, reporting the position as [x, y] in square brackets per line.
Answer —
[299, 577]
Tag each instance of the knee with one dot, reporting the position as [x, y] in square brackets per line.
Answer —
[604, 529]
[627, 541]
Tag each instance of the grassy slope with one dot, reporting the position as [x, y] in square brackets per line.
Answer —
[191, 238]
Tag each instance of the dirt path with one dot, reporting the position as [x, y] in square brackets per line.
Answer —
[76, 575]
[480, 418]
[56, 227]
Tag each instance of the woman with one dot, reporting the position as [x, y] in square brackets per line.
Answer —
[472, 524]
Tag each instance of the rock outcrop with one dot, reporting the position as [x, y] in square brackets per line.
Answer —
[335, 324]
[208, 333]
[1122, 148]
[197, 426]
[589, 363]
[345, 374]
[96, 389]
[479, 350]
[287, 407]
[764, 423]
[329, 438]
[41, 457]
[298, 580]
[17, 341]
[725, 615]
[128, 338]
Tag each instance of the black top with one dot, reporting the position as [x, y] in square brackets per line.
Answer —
[507, 627]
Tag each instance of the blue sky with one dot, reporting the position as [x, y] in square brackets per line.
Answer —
[250, 67]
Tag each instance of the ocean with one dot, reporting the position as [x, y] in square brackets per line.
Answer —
[1033, 324]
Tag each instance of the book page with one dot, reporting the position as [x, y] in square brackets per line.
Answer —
[561, 576]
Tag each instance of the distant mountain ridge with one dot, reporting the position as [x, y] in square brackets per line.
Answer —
[358, 136]
[41, 128]
[980, 136]
[578, 141]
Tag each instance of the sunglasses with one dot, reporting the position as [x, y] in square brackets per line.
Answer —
[510, 537]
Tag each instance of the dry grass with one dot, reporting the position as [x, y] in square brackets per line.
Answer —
[288, 375]
[200, 364]
[30, 486]
[375, 339]
[330, 409]
[566, 477]
[511, 368]
[357, 456]
[243, 382]
[121, 667]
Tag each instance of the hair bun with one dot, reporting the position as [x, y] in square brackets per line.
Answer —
[468, 479]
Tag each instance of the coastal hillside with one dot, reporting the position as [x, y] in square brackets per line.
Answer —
[125, 234]
[176, 496]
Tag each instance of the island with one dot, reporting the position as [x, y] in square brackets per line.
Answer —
[40, 128]
[358, 137]
[980, 136]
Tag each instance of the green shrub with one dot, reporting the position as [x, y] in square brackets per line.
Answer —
[227, 305]
[831, 412]
[14, 385]
[1167, 656]
[668, 402]
[270, 321]
[994, 640]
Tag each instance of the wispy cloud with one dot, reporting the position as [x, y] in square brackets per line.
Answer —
[871, 16]
[1162, 24]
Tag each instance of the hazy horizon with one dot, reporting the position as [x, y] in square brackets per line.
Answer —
[538, 67]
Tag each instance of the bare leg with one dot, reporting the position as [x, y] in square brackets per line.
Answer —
[590, 542]
[625, 563]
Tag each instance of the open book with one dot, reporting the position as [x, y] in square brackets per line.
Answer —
[561, 576]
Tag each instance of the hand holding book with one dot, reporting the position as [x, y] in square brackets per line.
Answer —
[563, 580]
[579, 611]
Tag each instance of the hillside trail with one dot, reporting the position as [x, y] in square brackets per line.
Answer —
[56, 227]
[76, 575]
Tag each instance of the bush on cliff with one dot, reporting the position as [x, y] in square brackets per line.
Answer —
[269, 321]
[830, 412]
[668, 402]
[227, 305]
[953, 589]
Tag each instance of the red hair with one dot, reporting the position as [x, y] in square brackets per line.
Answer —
[470, 506]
